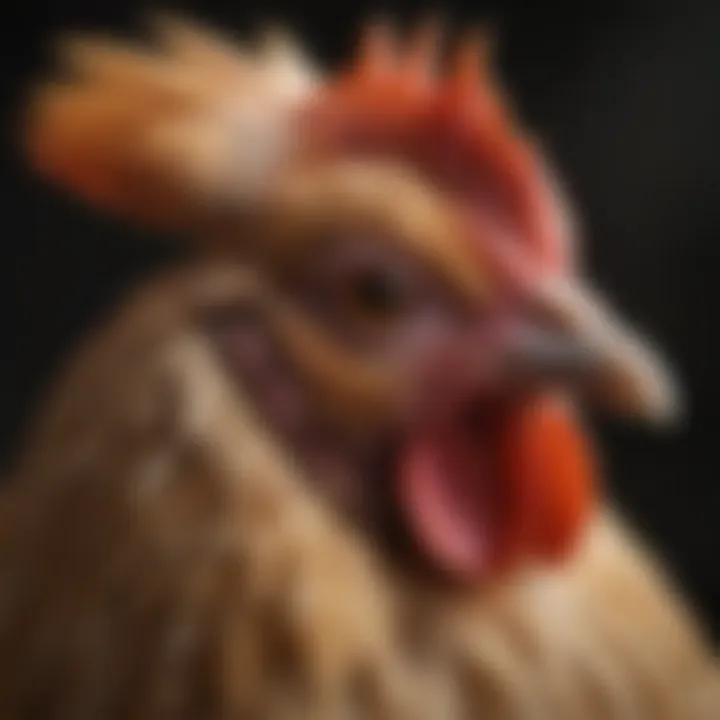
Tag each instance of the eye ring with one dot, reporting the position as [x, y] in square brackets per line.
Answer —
[376, 294]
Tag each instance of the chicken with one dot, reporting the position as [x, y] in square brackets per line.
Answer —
[332, 466]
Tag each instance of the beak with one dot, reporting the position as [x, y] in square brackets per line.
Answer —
[579, 341]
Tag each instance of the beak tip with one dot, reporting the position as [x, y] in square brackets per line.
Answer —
[672, 410]
[636, 381]
[660, 399]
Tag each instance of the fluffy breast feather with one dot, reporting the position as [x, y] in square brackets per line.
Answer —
[159, 557]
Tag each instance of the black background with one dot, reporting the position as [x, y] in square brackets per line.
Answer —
[627, 99]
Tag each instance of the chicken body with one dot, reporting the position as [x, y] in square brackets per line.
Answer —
[202, 522]
[161, 557]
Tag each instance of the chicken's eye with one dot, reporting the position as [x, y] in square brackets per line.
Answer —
[376, 294]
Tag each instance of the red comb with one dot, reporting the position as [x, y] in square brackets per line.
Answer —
[454, 128]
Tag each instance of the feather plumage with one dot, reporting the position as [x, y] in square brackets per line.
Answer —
[177, 564]
[162, 553]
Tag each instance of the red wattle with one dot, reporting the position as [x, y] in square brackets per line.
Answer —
[550, 458]
[480, 498]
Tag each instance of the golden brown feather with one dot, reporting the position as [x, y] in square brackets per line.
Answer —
[160, 556]
[162, 553]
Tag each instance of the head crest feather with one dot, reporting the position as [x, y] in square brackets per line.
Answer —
[165, 134]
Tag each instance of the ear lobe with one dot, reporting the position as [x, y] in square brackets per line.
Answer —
[164, 137]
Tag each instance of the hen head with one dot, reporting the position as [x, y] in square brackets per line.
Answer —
[416, 328]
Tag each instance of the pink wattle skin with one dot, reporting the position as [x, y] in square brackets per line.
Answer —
[446, 491]
[480, 500]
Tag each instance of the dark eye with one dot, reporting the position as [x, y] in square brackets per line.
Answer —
[377, 294]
